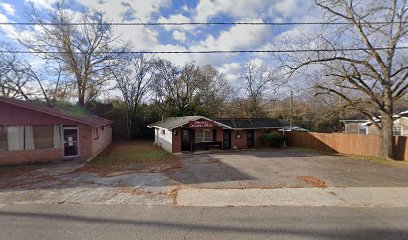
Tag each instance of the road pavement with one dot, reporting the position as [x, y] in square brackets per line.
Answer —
[99, 221]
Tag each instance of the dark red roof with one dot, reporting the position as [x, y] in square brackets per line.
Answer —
[87, 119]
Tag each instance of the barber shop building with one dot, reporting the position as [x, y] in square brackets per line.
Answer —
[197, 133]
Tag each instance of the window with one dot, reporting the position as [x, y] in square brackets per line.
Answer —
[267, 130]
[3, 139]
[15, 138]
[96, 134]
[43, 136]
[362, 129]
[396, 130]
[163, 132]
[204, 135]
[18, 138]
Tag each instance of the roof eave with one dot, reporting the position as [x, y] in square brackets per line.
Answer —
[57, 115]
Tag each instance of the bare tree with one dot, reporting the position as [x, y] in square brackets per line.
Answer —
[50, 82]
[175, 88]
[85, 51]
[190, 90]
[134, 78]
[372, 79]
[13, 82]
[260, 82]
[213, 91]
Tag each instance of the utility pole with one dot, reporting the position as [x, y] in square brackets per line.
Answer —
[291, 111]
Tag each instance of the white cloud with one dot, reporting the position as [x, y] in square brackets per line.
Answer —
[178, 18]
[185, 8]
[9, 30]
[8, 8]
[143, 38]
[231, 72]
[178, 59]
[256, 61]
[242, 9]
[236, 38]
[179, 36]
[127, 10]
[286, 7]
[45, 4]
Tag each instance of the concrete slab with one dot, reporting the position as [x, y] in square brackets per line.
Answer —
[339, 197]
[281, 168]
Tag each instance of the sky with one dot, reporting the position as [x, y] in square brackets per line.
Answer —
[169, 38]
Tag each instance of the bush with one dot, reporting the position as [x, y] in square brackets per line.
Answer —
[275, 139]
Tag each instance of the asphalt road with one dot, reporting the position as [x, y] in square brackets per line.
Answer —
[164, 222]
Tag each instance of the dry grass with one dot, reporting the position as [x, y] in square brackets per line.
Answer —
[396, 163]
[126, 157]
[379, 160]
[314, 181]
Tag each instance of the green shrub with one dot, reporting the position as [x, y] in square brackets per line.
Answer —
[273, 138]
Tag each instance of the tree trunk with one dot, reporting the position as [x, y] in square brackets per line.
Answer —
[387, 136]
[81, 100]
[129, 125]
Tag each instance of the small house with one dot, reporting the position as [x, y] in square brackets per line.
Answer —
[363, 126]
[35, 132]
[192, 133]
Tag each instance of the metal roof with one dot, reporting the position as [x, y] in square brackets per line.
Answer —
[253, 123]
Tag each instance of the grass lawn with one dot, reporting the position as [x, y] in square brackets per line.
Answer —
[137, 156]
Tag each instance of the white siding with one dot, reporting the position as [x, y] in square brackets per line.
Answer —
[164, 140]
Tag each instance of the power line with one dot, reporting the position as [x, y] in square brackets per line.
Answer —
[204, 52]
[191, 23]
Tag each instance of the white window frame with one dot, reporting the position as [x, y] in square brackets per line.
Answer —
[398, 128]
[203, 137]
[364, 128]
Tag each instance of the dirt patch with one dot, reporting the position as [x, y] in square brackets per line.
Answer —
[332, 193]
[173, 194]
[29, 181]
[134, 191]
[208, 161]
[314, 181]
[15, 171]
[123, 169]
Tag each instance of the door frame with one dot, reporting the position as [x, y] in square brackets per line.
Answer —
[253, 137]
[230, 138]
[63, 140]
[191, 140]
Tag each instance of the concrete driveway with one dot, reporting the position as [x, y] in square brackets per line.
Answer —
[284, 168]
[62, 183]
[258, 177]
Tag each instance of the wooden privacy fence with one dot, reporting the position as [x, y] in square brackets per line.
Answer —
[349, 144]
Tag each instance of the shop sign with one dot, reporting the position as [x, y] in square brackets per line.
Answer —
[201, 124]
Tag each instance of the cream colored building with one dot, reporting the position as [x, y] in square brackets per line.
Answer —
[400, 127]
